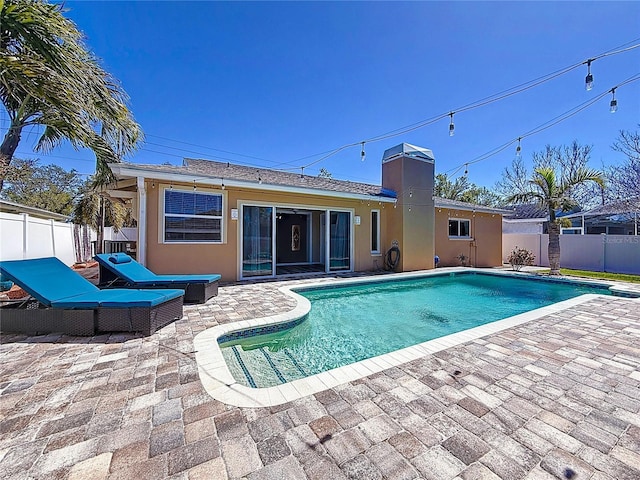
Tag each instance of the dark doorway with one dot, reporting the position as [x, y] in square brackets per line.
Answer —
[292, 238]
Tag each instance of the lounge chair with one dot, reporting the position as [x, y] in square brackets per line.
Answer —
[64, 301]
[119, 269]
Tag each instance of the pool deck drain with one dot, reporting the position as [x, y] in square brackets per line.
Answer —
[548, 397]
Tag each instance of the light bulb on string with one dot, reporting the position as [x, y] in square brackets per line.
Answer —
[222, 183]
[613, 106]
[588, 81]
[466, 169]
[362, 153]
[194, 185]
[518, 148]
[452, 127]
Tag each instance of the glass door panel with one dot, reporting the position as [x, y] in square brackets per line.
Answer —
[340, 241]
[257, 241]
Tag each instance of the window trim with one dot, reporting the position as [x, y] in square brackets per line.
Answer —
[163, 216]
[459, 237]
[377, 213]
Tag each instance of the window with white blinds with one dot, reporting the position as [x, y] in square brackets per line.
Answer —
[192, 217]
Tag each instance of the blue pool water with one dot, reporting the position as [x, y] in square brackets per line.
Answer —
[351, 323]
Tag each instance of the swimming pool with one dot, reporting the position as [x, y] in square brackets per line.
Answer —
[219, 382]
[347, 324]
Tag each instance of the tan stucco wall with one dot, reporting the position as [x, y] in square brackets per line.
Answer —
[485, 247]
[223, 258]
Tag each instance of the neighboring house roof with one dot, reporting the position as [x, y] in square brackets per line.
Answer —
[227, 173]
[619, 212]
[11, 207]
[447, 203]
[526, 212]
[620, 207]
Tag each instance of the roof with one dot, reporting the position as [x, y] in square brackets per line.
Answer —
[527, 211]
[447, 203]
[199, 170]
[11, 207]
[619, 207]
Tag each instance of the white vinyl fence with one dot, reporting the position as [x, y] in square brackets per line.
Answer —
[23, 236]
[600, 253]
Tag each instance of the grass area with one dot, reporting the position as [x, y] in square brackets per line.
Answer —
[599, 275]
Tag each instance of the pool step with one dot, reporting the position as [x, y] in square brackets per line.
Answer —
[260, 367]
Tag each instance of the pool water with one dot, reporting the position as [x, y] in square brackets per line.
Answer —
[351, 323]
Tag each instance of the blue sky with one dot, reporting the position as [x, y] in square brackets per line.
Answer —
[268, 84]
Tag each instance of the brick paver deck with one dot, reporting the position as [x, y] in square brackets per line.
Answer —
[554, 398]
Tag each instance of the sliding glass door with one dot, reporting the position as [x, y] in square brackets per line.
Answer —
[339, 241]
[257, 241]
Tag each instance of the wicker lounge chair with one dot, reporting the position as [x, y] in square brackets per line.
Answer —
[63, 301]
[119, 269]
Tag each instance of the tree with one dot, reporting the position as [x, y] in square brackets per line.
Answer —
[453, 190]
[566, 160]
[48, 77]
[624, 179]
[324, 173]
[48, 187]
[464, 191]
[553, 193]
[96, 209]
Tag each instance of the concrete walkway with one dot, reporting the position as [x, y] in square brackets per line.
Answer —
[557, 397]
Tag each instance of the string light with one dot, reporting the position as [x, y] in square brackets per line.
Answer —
[194, 185]
[588, 80]
[452, 127]
[466, 169]
[613, 106]
[518, 148]
[259, 177]
[222, 183]
[362, 153]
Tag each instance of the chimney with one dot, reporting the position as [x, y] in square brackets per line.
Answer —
[409, 171]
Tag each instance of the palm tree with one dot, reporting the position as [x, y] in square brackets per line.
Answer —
[96, 210]
[554, 195]
[48, 77]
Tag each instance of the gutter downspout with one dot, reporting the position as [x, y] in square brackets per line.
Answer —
[142, 222]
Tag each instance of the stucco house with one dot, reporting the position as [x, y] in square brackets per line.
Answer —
[244, 222]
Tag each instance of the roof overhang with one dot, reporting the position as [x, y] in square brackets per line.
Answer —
[11, 207]
[129, 171]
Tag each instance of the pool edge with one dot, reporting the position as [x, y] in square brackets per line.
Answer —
[219, 383]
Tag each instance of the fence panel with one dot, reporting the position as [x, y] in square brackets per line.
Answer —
[600, 253]
[22, 236]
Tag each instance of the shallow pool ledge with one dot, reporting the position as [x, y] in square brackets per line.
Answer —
[220, 384]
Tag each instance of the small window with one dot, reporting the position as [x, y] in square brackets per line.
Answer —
[459, 228]
[375, 231]
[192, 217]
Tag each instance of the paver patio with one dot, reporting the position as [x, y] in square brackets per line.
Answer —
[557, 397]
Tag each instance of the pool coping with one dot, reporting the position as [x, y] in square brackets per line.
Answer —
[220, 384]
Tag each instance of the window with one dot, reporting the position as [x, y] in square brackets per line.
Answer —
[459, 228]
[375, 231]
[192, 217]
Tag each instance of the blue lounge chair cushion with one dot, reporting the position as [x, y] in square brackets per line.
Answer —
[46, 279]
[118, 298]
[137, 274]
[54, 284]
